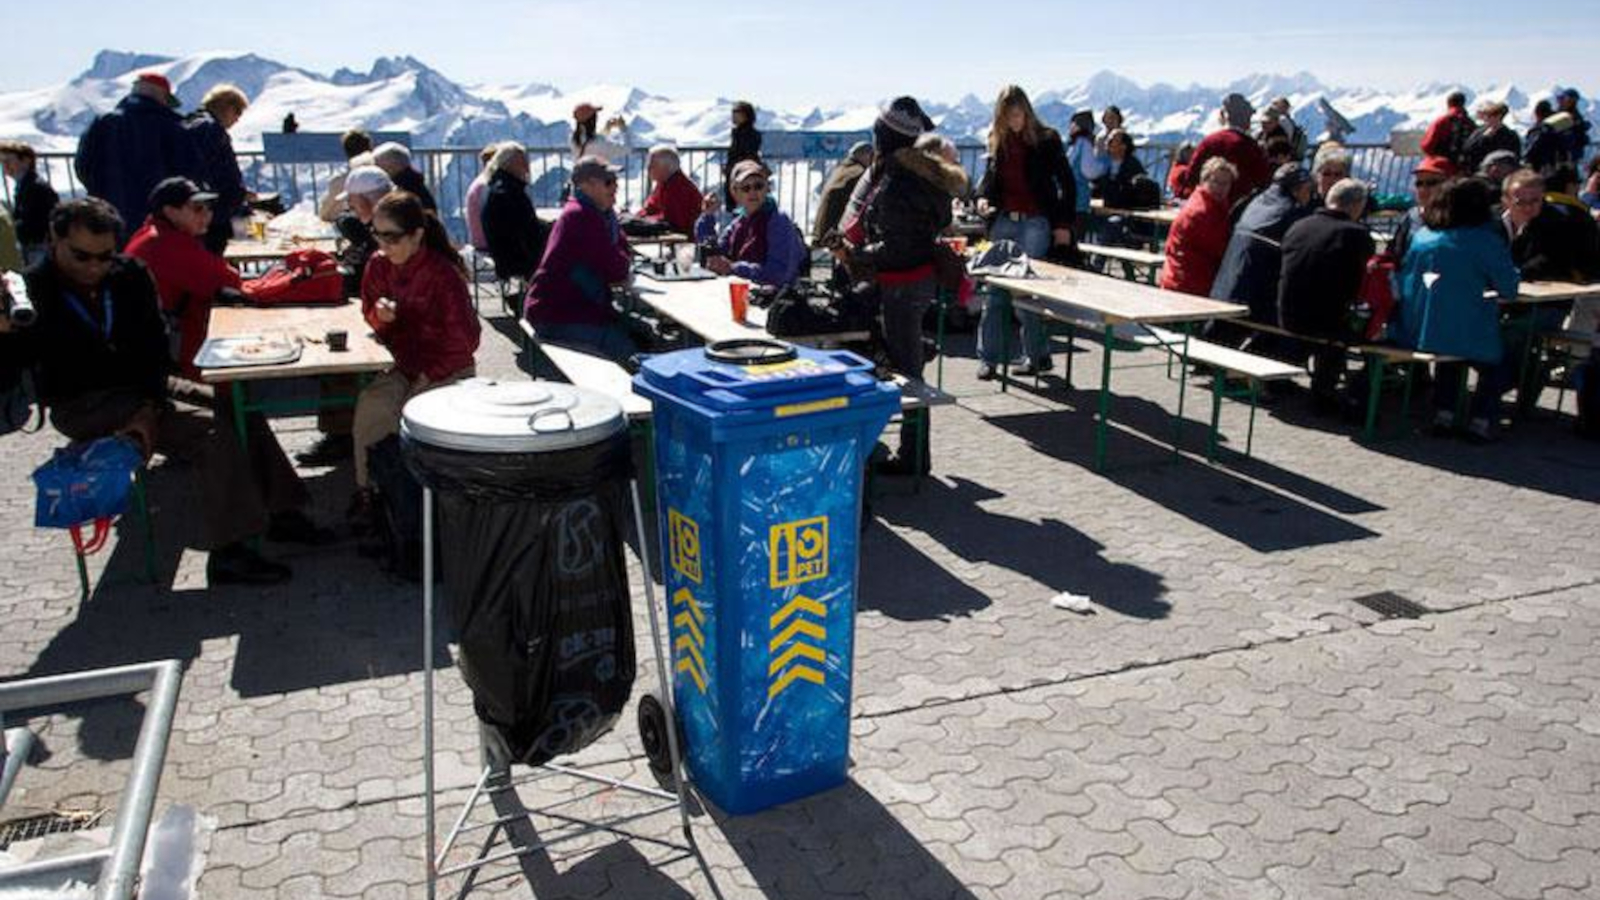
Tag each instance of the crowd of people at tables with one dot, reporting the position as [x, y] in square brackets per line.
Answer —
[124, 280]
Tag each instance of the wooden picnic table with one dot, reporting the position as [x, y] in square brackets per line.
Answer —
[1098, 303]
[254, 251]
[1163, 216]
[703, 307]
[309, 325]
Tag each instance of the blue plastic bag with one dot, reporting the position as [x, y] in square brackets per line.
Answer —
[86, 483]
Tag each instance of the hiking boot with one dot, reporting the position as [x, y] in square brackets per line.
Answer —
[238, 564]
[331, 450]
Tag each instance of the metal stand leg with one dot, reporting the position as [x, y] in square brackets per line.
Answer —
[427, 688]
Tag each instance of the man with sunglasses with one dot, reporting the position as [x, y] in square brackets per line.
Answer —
[761, 243]
[102, 367]
[1428, 175]
[569, 298]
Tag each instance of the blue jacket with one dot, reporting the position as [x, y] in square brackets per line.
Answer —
[127, 151]
[1441, 286]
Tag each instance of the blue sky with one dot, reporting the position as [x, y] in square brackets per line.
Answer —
[794, 54]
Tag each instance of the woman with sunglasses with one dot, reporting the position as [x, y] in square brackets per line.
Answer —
[414, 295]
[761, 243]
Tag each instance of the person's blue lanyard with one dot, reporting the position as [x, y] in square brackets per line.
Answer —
[83, 313]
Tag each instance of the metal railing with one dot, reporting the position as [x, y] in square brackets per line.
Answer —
[797, 181]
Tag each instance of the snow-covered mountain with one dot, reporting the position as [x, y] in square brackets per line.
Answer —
[404, 94]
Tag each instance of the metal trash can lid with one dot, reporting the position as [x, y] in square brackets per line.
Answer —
[481, 415]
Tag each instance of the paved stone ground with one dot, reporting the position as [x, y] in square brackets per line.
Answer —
[1228, 724]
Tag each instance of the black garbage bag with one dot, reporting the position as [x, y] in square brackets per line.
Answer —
[537, 588]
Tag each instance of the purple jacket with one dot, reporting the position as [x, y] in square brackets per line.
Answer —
[585, 255]
[765, 248]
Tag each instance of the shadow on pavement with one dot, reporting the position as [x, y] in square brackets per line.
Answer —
[1050, 552]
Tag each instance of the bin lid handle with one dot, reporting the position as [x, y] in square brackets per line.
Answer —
[537, 427]
[750, 351]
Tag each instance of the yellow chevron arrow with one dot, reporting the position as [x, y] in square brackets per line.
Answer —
[797, 627]
[800, 603]
[686, 645]
[686, 621]
[684, 598]
[796, 650]
[798, 672]
[687, 665]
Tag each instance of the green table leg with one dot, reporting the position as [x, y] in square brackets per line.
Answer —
[938, 344]
[1405, 398]
[1005, 345]
[1183, 389]
[239, 426]
[1104, 424]
[1527, 395]
[1072, 351]
[1216, 415]
[1375, 366]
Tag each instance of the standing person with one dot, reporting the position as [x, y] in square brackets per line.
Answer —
[394, 158]
[1031, 191]
[10, 250]
[1590, 194]
[1575, 137]
[1254, 256]
[472, 205]
[569, 298]
[1111, 120]
[905, 206]
[1199, 235]
[744, 142]
[219, 111]
[126, 152]
[1087, 166]
[33, 197]
[1280, 123]
[354, 143]
[511, 226]
[836, 190]
[1178, 168]
[188, 276]
[415, 297]
[590, 139]
[1545, 147]
[101, 357]
[1489, 137]
[1233, 143]
[1447, 136]
[761, 243]
[1324, 261]
[1452, 262]
[674, 199]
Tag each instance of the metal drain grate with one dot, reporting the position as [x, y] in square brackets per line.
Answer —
[1393, 606]
[32, 828]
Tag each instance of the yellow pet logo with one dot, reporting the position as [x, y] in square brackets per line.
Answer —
[799, 552]
[684, 534]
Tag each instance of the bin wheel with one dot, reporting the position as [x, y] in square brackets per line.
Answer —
[653, 725]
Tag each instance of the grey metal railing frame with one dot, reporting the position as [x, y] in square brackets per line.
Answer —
[115, 870]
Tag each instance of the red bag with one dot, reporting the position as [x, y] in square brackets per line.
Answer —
[306, 276]
[1377, 295]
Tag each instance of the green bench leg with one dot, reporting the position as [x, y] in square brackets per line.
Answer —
[938, 342]
[1375, 366]
[1183, 390]
[1105, 403]
[83, 575]
[1405, 398]
[1250, 434]
[1072, 351]
[1217, 379]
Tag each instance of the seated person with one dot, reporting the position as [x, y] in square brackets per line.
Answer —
[1324, 262]
[395, 161]
[415, 297]
[357, 146]
[837, 189]
[569, 299]
[1452, 261]
[1549, 241]
[514, 233]
[761, 243]
[1199, 235]
[1498, 166]
[188, 277]
[102, 361]
[674, 200]
[472, 206]
[1251, 263]
[1122, 167]
[364, 187]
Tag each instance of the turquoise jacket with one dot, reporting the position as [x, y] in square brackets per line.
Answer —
[1441, 285]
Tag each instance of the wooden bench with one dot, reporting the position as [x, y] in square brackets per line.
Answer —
[1377, 358]
[1573, 346]
[1130, 258]
[1228, 361]
[586, 370]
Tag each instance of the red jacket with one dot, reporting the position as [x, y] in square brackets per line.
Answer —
[1238, 148]
[675, 201]
[1447, 136]
[1195, 245]
[188, 277]
[435, 331]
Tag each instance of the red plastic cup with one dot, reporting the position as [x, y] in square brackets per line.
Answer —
[739, 299]
[959, 245]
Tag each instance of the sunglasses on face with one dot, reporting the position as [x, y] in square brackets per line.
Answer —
[86, 258]
[389, 237]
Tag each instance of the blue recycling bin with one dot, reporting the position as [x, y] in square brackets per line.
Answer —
[760, 449]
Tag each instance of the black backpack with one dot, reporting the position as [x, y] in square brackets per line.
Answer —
[18, 403]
